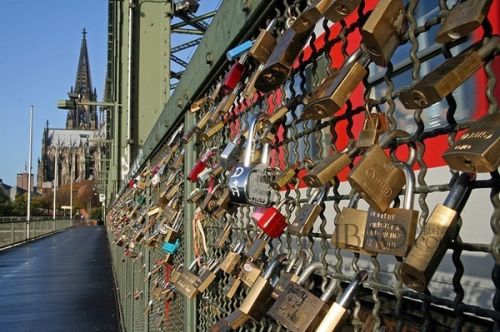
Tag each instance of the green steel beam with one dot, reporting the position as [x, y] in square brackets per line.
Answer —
[232, 24]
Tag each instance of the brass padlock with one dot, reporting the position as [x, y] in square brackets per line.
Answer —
[462, 19]
[232, 287]
[210, 132]
[339, 9]
[478, 149]
[432, 242]
[393, 232]
[336, 88]
[249, 273]
[383, 30]
[375, 125]
[263, 45]
[350, 226]
[296, 265]
[198, 104]
[338, 311]
[259, 296]
[297, 309]
[329, 167]
[233, 321]
[257, 246]
[220, 240]
[232, 259]
[308, 213]
[376, 178]
[449, 75]
[197, 128]
[285, 177]
[178, 162]
[207, 276]
[184, 283]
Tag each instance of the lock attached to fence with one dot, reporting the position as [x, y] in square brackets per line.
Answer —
[393, 232]
[250, 184]
[273, 222]
[308, 213]
[478, 150]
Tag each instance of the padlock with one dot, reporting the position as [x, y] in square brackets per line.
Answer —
[184, 282]
[478, 149]
[259, 296]
[239, 50]
[336, 88]
[273, 222]
[375, 125]
[233, 321]
[233, 77]
[250, 184]
[338, 310]
[339, 9]
[276, 117]
[382, 32]
[291, 273]
[350, 227]
[249, 273]
[178, 162]
[462, 19]
[257, 246]
[197, 128]
[211, 196]
[232, 287]
[393, 232]
[449, 75]
[329, 167]
[220, 240]
[279, 64]
[229, 156]
[171, 248]
[297, 309]
[250, 90]
[196, 195]
[207, 276]
[376, 178]
[200, 165]
[210, 132]
[198, 104]
[285, 177]
[309, 212]
[432, 242]
[232, 259]
[263, 44]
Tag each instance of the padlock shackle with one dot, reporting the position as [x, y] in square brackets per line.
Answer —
[386, 139]
[351, 290]
[353, 202]
[273, 265]
[329, 291]
[300, 257]
[308, 272]
[247, 159]
[459, 190]
[410, 185]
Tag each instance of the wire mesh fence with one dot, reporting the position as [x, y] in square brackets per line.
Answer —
[464, 291]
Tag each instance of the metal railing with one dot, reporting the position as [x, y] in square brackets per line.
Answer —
[14, 232]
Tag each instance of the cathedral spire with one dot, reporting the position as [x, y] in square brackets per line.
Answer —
[83, 83]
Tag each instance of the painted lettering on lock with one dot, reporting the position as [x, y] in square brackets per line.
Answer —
[238, 171]
[480, 135]
[377, 179]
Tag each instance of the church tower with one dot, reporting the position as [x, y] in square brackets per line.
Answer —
[83, 117]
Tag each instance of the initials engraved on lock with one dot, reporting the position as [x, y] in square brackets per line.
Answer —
[383, 233]
[377, 179]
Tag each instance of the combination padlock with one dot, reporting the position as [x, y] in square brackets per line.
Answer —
[309, 212]
[250, 184]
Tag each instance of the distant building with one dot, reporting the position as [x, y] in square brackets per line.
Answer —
[22, 181]
[78, 154]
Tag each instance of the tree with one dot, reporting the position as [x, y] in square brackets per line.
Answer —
[5, 204]
[20, 205]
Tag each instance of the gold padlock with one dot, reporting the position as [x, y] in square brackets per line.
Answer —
[432, 242]
[329, 167]
[478, 149]
[448, 76]
[336, 89]
[350, 228]
[263, 44]
[339, 9]
[462, 19]
[383, 29]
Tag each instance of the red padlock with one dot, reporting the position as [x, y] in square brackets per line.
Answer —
[272, 222]
[200, 165]
[233, 77]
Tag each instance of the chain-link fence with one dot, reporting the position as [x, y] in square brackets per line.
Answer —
[464, 292]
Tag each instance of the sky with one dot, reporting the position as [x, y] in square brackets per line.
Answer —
[39, 49]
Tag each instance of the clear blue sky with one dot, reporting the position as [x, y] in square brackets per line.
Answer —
[39, 49]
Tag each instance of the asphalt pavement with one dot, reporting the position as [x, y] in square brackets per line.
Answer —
[63, 282]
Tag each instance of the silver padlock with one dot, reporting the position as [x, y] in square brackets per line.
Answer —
[229, 157]
[248, 184]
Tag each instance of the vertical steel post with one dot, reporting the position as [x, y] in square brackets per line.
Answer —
[28, 212]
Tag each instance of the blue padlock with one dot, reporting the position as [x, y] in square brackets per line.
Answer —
[239, 50]
[171, 248]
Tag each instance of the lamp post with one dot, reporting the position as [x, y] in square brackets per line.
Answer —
[28, 212]
[56, 170]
